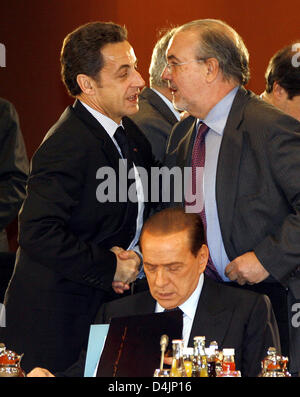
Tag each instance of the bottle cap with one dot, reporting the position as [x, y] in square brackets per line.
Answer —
[199, 338]
[228, 352]
[177, 341]
[271, 351]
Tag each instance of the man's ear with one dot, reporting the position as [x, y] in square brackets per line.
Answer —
[278, 92]
[212, 69]
[86, 83]
[202, 257]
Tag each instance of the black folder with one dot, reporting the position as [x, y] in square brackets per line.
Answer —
[132, 346]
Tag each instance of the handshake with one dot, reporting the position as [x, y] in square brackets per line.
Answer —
[128, 265]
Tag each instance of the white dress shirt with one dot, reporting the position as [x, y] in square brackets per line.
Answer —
[188, 308]
[216, 120]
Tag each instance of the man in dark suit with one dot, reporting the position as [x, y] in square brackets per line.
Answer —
[283, 80]
[78, 219]
[175, 256]
[157, 115]
[250, 157]
[14, 168]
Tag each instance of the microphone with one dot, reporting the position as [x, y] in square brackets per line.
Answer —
[164, 340]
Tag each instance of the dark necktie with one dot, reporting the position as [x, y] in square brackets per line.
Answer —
[198, 160]
[175, 309]
[121, 138]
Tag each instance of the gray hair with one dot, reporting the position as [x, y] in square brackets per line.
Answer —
[220, 41]
[158, 60]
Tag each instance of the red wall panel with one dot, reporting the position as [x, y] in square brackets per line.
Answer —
[33, 31]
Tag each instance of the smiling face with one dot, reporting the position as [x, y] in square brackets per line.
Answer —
[171, 269]
[115, 91]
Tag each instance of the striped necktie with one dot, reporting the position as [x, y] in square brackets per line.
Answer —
[198, 160]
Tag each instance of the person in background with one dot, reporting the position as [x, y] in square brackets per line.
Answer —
[157, 115]
[283, 80]
[14, 169]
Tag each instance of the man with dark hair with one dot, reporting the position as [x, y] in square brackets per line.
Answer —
[76, 240]
[283, 80]
[175, 256]
[157, 115]
[249, 153]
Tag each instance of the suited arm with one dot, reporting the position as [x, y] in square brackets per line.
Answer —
[54, 192]
[260, 334]
[279, 253]
[14, 165]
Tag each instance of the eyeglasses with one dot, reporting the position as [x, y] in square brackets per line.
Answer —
[169, 66]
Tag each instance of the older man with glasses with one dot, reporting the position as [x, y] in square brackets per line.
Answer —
[250, 155]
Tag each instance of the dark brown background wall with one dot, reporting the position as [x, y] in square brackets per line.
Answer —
[33, 30]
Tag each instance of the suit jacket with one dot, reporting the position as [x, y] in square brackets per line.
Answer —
[235, 318]
[64, 268]
[257, 183]
[155, 119]
[14, 168]
[257, 186]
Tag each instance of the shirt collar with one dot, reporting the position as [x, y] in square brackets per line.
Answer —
[107, 123]
[218, 115]
[190, 305]
[168, 103]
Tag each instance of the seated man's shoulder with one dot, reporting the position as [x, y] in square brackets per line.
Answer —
[240, 295]
[125, 306]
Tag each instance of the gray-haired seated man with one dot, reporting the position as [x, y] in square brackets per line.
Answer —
[175, 257]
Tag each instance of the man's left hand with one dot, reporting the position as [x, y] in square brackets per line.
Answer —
[246, 269]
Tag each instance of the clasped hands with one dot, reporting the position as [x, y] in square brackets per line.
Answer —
[128, 264]
[246, 269]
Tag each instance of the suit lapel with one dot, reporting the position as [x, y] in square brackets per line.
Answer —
[159, 104]
[111, 153]
[229, 166]
[212, 317]
[131, 132]
[184, 157]
[109, 149]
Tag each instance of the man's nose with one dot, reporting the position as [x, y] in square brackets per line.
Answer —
[138, 80]
[160, 278]
[166, 73]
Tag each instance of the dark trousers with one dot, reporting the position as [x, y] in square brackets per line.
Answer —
[278, 297]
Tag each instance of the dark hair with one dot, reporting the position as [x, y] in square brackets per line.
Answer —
[282, 71]
[81, 51]
[220, 41]
[173, 220]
